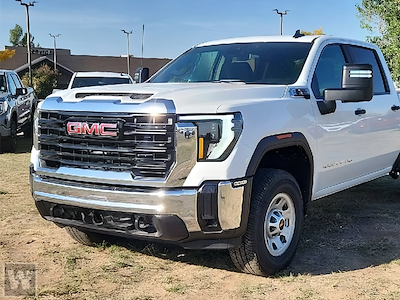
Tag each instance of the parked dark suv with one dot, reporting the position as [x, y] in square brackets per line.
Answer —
[16, 106]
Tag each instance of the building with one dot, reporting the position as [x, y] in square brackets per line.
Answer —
[67, 63]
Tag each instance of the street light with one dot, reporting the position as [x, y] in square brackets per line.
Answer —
[127, 38]
[55, 49]
[281, 13]
[28, 36]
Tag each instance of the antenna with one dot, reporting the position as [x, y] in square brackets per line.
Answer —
[141, 62]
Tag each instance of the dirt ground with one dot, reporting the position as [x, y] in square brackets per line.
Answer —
[350, 249]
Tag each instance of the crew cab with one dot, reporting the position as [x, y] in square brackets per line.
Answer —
[16, 103]
[224, 147]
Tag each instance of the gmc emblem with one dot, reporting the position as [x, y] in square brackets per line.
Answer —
[83, 128]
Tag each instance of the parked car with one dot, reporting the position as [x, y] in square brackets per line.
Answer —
[84, 79]
[17, 104]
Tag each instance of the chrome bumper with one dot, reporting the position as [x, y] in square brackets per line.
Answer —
[181, 202]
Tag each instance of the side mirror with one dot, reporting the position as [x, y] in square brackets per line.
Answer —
[141, 75]
[20, 92]
[357, 84]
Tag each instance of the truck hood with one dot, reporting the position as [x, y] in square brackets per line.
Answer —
[188, 98]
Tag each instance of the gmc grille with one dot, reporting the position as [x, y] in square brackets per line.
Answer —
[143, 146]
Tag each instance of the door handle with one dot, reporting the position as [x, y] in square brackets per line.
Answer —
[395, 107]
[360, 111]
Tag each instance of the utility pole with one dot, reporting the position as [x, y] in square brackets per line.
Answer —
[55, 49]
[28, 36]
[127, 38]
[281, 13]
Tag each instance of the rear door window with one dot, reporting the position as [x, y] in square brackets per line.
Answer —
[360, 55]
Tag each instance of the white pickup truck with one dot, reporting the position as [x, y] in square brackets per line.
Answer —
[222, 148]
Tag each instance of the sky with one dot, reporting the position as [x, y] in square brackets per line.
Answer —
[171, 26]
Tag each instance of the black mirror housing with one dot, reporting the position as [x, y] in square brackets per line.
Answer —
[21, 92]
[141, 75]
[357, 84]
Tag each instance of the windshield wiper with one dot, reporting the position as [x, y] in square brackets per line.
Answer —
[230, 81]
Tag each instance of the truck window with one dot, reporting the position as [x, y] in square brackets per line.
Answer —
[16, 81]
[3, 83]
[11, 85]
[360, 55]
[262, 63]
[328, 73]
[94, 81]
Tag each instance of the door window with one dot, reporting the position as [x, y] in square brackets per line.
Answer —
[16, 81]
[328, 73]
[11, 85]
[361, 55]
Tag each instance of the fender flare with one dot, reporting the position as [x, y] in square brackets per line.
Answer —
[274, 142]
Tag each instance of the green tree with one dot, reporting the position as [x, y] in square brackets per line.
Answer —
[23, 41]
[15, 35]
[44, 80]
[383, 17]
[18, 38]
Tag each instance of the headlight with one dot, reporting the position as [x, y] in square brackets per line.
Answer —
[3, 107]
[36, 128]
[216, 135]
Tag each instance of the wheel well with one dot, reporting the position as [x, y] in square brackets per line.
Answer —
[294, 160]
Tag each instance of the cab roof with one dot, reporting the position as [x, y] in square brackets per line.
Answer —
[261, 39]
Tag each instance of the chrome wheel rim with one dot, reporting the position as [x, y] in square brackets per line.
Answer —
[279, 224]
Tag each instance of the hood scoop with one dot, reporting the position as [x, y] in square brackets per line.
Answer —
[130, 95]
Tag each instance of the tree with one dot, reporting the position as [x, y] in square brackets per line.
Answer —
[6, 54]
[16, 38]
[15, 35]
[383, 16]
[23, 41]
[318, 31]
[44, 80]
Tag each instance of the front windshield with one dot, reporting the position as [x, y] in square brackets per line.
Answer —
[263, 63]
[93, 81]
[3, 84]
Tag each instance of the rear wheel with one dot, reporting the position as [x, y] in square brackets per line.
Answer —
[275, 221]
[85, 237]
[9, 144]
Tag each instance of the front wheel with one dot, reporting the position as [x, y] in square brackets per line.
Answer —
[274, 225]
[9, 144]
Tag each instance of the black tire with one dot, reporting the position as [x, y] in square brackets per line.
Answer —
[85, 237]
[28, 132]
[9, 144]
[274, 225]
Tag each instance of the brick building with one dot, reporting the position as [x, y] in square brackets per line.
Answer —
[67, 63]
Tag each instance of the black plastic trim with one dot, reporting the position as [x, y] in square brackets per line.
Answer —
[281, 141]
[163, 227]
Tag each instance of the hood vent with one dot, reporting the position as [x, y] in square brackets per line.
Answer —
[130, 95]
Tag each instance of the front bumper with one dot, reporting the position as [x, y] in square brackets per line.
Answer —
[212, 212]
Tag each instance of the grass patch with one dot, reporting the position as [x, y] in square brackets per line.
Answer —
[177, 288]
[307, 294]
[250, 291]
